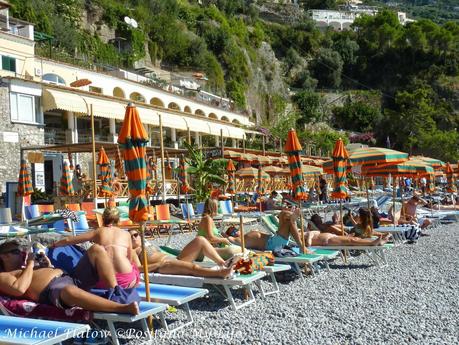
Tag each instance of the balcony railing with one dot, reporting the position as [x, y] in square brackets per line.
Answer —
[54, 136]
[16, 27]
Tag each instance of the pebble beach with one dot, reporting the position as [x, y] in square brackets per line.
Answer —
[413, 300]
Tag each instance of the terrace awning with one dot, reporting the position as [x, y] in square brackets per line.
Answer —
[62, 99]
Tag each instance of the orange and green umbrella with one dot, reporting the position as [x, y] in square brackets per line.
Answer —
[230, 169]
[24, 182]
[293, 150]
[328, 167]
[66, 186]
[435, 163]
[340, 158]
[376, 156]
[104, 164]
[450, 178]
[252, 173]
[133, 140]
[410, 168]
[184, 187]
[311, 171]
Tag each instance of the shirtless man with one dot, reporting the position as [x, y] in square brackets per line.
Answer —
[48, 285]
[408, 212]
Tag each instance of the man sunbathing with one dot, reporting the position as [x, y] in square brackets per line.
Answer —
[183, 264]
[287, 226]
[48, 285]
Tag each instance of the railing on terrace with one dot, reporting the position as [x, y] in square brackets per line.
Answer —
[86, 137]
[16, 27]
[54, 136]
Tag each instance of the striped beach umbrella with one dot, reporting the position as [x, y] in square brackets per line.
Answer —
[106, 175]
[450, 178]
[293, 149]
[230, 169]
[232, 154]
[311, 171]
[410, 168]
[133, 140]
[340, 157]
[66, 185]
[328, 167]
[376, 156]
[435, 163]
[24, 182]
[251, 173]
[184, 186]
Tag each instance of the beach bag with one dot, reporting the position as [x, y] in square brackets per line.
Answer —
[261, 260]
[244, 266]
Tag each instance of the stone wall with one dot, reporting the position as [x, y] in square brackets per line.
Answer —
[10, 152]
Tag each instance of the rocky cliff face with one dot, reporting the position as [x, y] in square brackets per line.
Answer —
[267, 80]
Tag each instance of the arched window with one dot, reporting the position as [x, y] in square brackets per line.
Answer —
[236, 122]
[199, 112]
[187, 109]
[118, 92]
[156, 101]
[174, 106]
[53, 79]
[224, 118]
[213, 116]
[135, 96]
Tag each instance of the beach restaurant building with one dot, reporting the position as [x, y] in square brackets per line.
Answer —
[38, 106]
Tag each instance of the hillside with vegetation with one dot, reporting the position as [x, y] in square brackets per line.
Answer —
[381, 82]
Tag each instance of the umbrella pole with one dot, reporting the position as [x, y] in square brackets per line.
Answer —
[145, 270]
[303, 243]
[341, 215]
[394, 195]
[368, 203]
[94, 173]
[241, 232]
[163, 172]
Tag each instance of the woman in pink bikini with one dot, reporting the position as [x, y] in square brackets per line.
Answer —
[117, 243]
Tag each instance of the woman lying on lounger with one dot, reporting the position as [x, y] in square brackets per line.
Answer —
[207, 229]
[287, 226]
[183, 264]
[117, 244]
[318, 224]
[362, 225]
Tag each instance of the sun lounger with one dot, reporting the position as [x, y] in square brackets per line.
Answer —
[221, 285]
[400, 233]
[22, 331]
[177, 296]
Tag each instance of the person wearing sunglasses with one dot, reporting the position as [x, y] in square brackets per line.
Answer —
[20, 278]
[184, 263]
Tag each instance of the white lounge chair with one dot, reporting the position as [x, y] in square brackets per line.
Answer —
[23, 331]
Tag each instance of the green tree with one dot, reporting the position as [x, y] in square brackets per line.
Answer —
[204, 172]
[310, 107]
[357, 116]
[327, 68]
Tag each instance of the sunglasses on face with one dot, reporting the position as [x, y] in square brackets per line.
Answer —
[135, 235]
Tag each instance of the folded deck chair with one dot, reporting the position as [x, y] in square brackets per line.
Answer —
[18, 330]
[223, 286]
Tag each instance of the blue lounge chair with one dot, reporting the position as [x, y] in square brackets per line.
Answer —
[23, 331]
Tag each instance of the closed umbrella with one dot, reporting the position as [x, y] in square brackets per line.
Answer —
[184, 186]
[293, 149]
[340, 158]
[230, 169]
[133, 140]
[450, 179]
[66, 185]
[106, 178]
[119, 166]
[24, 185]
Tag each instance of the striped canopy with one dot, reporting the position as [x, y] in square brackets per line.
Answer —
[450, 178]
[340, 161]
[376, 155]
[274, 170]
[119, 166]
[24, 182]
[133, 140]
[106, 175]
[435, 163]
[263, 160]
[184, 187]
[66, 186]
[248, 157]
[310, 170]
[232, 154]
[293, 149]
[411, 168]
[251, 172]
